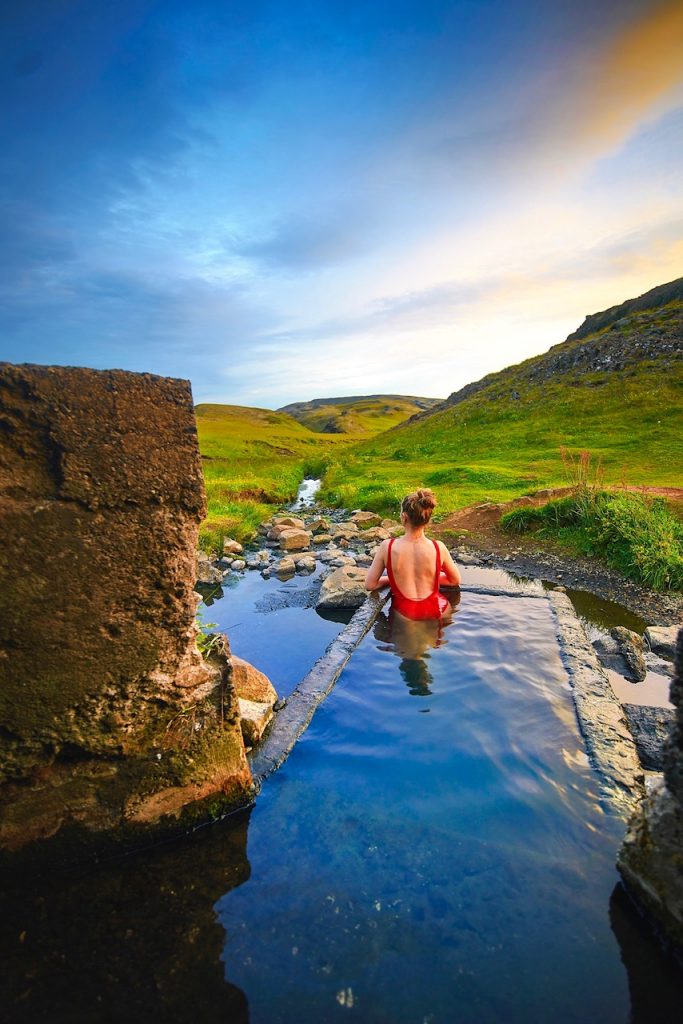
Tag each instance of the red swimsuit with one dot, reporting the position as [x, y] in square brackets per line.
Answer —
[431, 607]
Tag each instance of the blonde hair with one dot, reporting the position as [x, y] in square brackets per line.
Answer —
[419, 506]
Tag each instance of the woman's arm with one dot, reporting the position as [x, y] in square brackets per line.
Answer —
[448, 567]
[376, 577]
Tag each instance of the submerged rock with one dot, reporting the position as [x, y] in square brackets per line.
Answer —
[343, 588]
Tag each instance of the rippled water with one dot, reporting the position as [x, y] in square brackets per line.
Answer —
[435, 849]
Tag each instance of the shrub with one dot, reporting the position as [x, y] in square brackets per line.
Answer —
[636, 535]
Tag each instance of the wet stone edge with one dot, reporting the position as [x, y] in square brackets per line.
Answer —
[295, 717]
[609, 743]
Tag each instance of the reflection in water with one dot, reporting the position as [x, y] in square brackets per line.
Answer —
[134, 940]
[411, 640]
[654, 979]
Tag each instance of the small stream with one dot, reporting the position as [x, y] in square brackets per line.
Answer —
[434, 850]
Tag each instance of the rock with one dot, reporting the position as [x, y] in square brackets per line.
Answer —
[104, 468]
[363, 559]
[318, 525]
[250, 683]
[306, 564]
[291, 522]
[662, 640]
[346, 530]
[322, 538]
[465, 557]
[620, 654]
[286, 566]
[294, 540]
[631, 648]
[365, 519]
[232, 547]
[343, 588]
[650, 728]
[374, 534]
[390, 524]
[205, 571]
[659, 665]
[650, 856]
[276, 530]
[254, 719]
[266, 573]
[343, 560]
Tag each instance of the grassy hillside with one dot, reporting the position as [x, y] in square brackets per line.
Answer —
[617, 391]
[361, 415]
[253, 460]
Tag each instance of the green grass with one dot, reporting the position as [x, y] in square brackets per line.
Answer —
[492, 447]
[637, 535]
[253, 461]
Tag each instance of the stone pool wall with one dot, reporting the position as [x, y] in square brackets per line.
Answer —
[651, 857]
[109, 717]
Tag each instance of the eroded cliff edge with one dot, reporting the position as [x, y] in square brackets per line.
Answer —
[109, 718]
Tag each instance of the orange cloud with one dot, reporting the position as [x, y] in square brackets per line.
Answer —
[637, 75]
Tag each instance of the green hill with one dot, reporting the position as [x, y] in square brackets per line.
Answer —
[613, 387]
[253, 460]
[359, 415]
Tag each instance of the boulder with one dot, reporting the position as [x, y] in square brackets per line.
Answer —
[306, 564]
[293, 522]
[650, 728]
[254, 719]
[238, 565]
[321, 538]
[365, 519]
[294, 540]
[285, 566]
[343, 588]
[662, 640]
[232, 547]
[318, 525]
[390, 524]
[346, 530]
[631, 648]
[205, 571]
[374, 534]
[250, 683]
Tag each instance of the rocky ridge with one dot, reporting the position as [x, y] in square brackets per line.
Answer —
[649, 327]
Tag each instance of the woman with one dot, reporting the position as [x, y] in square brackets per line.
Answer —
[415, 566]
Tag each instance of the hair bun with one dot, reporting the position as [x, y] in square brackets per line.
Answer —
[426, 498]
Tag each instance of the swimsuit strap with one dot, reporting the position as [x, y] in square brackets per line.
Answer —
[437, 578]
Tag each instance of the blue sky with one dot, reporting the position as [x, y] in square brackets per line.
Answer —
[284, 201]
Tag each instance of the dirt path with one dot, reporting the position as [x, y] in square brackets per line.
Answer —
[476, 530]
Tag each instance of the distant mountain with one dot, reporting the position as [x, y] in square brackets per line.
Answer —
[363, 415]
